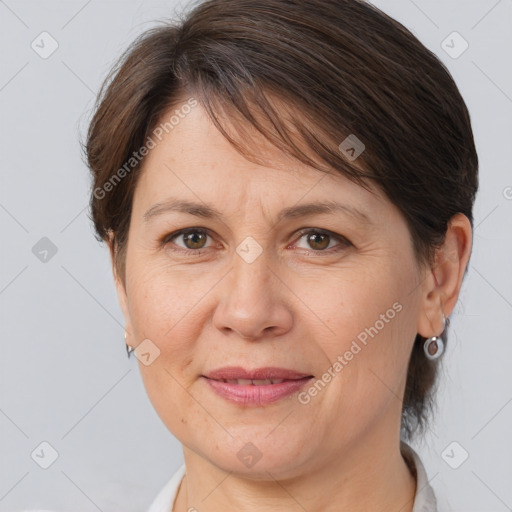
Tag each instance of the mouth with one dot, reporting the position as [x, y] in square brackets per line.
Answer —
[253, 382]
[255, 387]
[257, 376]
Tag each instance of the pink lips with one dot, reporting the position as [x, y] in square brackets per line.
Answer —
[223, 382]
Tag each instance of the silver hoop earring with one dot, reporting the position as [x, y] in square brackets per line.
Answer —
[433, 348]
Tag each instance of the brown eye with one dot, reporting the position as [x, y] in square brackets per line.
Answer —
[320, 241]
[194, 239]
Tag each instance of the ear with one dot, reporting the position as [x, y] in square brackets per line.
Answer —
[441, 285]
[120, 286]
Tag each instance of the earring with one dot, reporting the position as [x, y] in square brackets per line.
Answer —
[129, 348]
[434, 346]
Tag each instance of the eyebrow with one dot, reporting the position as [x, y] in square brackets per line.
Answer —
[209, 212]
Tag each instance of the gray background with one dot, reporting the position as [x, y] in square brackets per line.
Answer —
[65, 378]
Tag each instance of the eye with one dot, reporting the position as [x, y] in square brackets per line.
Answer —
[320, 240]
[194, 240]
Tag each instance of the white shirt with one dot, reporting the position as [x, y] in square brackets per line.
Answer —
[425, 501]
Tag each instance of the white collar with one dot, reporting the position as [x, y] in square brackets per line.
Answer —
[425, 500]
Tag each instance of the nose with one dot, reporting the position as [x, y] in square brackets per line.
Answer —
[254, 302]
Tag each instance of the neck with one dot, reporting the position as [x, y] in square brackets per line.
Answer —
[370, 475]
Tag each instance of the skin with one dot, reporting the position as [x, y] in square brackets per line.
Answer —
[287, 308]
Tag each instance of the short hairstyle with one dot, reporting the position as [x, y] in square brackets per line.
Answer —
[340, 68]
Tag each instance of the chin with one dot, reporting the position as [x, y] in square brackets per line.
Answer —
[256, 454]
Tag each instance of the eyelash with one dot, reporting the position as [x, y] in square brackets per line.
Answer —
[197, 252]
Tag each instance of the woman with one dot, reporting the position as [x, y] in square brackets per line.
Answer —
[286, 188]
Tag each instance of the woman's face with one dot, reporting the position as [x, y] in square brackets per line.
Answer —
[267, 283]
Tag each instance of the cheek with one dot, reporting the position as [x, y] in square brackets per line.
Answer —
[170, 398]
[372, 328]
[165, 315]
[360, 304]
[159, 301]
[163, 312]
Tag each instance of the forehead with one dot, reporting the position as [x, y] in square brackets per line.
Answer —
[193, 161]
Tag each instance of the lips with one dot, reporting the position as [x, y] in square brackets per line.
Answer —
[258, 387]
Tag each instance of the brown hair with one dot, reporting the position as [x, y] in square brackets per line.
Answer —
[341, 67]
